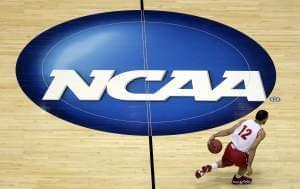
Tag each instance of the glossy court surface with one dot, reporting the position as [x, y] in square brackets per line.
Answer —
[39, 150]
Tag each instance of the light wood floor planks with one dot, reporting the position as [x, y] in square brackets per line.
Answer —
[40, 151]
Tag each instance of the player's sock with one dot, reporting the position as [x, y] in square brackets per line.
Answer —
[237, 175]
[214, 166]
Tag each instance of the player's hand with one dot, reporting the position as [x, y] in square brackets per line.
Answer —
[249, 171]
[210, 138]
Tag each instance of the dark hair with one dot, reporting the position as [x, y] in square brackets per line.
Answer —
[261, 115]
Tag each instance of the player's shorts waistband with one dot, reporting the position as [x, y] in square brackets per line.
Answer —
[235, 148]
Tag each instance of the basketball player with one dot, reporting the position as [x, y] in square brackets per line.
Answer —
[246, 136]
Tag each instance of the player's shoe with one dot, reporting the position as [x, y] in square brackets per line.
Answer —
[241, 181]
[201, 172]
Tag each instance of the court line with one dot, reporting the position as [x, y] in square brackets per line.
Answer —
[147, 90]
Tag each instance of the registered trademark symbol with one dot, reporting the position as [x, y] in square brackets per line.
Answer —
[275, 99]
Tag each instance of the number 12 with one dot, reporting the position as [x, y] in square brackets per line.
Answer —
[245, 132]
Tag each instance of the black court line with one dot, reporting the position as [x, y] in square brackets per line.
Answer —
[143, 23]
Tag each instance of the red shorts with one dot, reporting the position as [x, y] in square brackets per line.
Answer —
[234, 157]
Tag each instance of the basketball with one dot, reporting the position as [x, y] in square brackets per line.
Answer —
[214, 146]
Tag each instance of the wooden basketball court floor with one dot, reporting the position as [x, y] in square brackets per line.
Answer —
[40, 151]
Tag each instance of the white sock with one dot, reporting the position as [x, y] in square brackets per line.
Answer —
[237, 175]
[214, 165]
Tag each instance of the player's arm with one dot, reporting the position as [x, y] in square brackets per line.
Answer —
[260, 136]
[226, 132]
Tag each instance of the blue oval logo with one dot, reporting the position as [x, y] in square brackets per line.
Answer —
[192, 74]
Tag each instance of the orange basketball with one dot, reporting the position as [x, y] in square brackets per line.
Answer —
[214, 146]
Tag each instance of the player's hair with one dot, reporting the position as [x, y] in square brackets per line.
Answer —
[261, 115]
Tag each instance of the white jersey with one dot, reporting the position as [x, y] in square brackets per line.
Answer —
[244, 136]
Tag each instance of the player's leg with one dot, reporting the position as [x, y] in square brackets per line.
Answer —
[241, 171]
[215, 165]
[240, 177]
[225, 162]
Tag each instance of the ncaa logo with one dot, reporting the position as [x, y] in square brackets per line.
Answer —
[200, 73]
